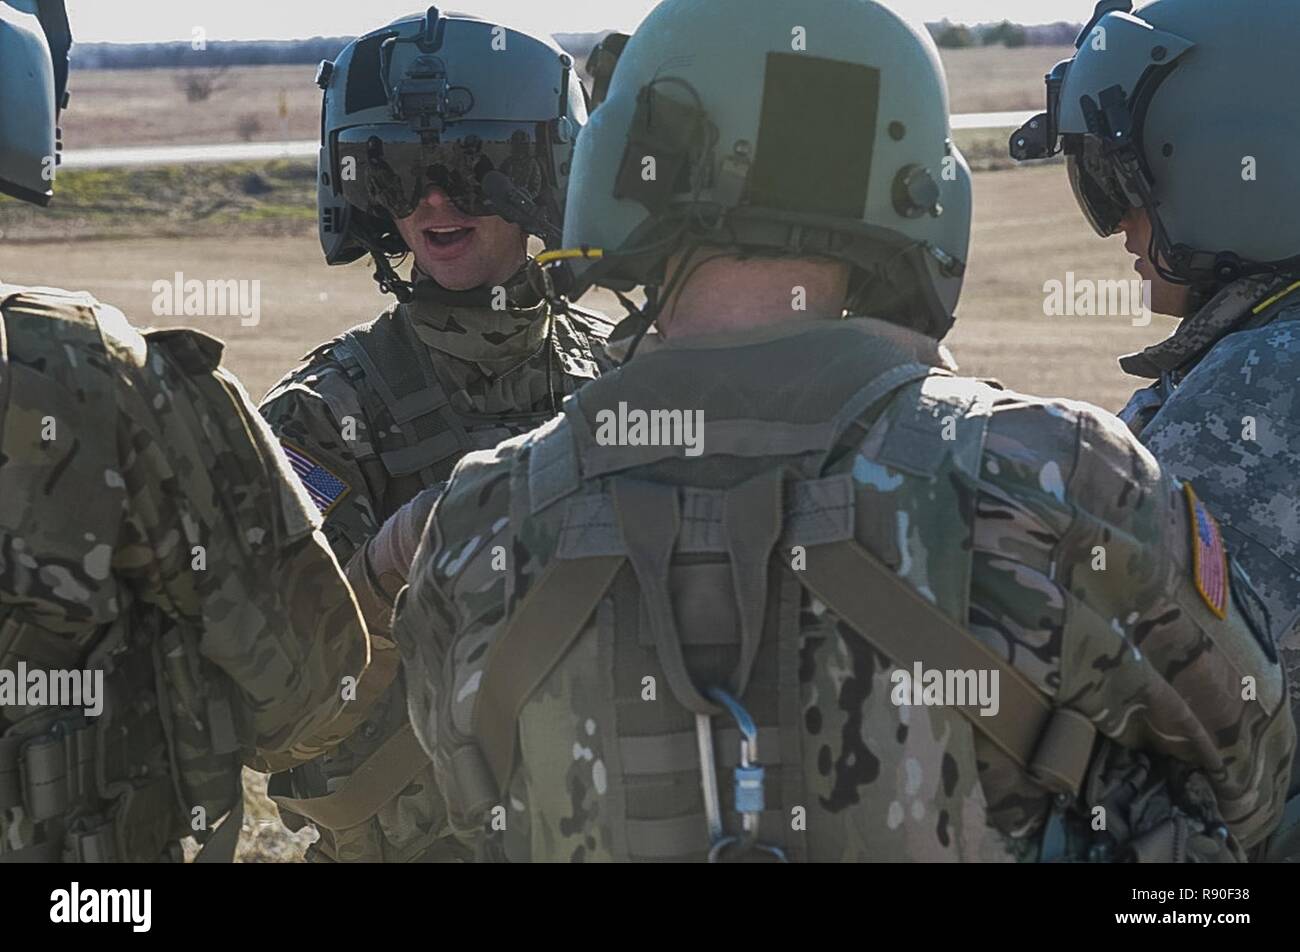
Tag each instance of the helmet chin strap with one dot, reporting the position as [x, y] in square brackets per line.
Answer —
[388, 279]
[385, 275]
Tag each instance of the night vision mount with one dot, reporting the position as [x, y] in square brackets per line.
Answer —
[1039, 138]
[423, 96]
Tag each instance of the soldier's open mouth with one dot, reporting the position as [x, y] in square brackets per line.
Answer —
[445, 237]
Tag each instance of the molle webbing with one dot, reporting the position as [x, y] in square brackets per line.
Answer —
[1053, 745]
[51, 773]
[392, 369]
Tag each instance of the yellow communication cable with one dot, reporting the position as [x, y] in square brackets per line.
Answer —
[563, 254]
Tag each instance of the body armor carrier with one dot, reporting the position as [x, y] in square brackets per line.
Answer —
[110, 788]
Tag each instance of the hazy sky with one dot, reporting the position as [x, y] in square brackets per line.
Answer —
[124, 21]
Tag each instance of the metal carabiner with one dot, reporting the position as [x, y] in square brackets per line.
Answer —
[748, 784]
[708, 779]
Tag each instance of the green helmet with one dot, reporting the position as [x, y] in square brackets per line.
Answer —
[818, 128]
[447, 101]
[34, 43]
[1185, 109]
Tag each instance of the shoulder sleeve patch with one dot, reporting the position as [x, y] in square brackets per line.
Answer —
[1209, 558]
[324, 487]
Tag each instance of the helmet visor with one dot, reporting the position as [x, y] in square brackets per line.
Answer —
[1096, 188]
[387, 169]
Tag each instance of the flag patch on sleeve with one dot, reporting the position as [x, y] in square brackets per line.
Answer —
[1209, 558]
[324, 488]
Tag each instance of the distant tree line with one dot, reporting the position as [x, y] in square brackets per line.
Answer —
[950, 35]
[215, 53]
[220, 53]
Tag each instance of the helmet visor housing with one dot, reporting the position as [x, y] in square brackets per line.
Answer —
[388, 168]
[485, 113]
[1096, 187]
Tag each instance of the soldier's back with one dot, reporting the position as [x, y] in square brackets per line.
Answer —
[1037, 538]
[152, 541]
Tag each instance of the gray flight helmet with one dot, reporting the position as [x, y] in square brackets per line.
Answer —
[1186, 109]
[443, 100]
[34, 44]
[812, 129]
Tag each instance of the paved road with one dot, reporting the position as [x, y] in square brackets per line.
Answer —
[306, 148]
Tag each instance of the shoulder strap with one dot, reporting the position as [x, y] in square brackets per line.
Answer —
[1052, 745]
[538, 634]
[382, 776]
[407, 389]
[224, 843]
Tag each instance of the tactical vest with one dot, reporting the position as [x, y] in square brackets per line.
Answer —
[417, 438]
[417, 435]
[693, 572]
[108, 789]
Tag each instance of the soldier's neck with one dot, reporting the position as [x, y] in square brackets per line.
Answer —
[726, 294]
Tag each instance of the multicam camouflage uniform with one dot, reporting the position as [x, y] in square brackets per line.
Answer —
[994, 506]
[150, 530]
[1224, 414]
[455, 376]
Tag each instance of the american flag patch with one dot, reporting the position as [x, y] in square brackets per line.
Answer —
[324, 488]
[1209, 558]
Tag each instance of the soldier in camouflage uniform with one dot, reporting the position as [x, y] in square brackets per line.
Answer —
[153, 536]
[782, 543]
[1207, 203]
[376, 419]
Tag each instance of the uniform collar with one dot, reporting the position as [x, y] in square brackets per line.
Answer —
[917, 346]
[1197, 334]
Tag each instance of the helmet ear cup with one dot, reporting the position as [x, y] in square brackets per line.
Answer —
[666, 143]
[334, 217]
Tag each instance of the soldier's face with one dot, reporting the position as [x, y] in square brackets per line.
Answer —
[1166, 298]
[461, 251]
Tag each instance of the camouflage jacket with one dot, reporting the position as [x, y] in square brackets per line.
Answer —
[1224, 414]
[456, 376]
[1040, 527]
[152, 536]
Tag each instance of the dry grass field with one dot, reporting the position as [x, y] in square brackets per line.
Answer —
[1027, 230]
[992, 79]
[136, 107]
